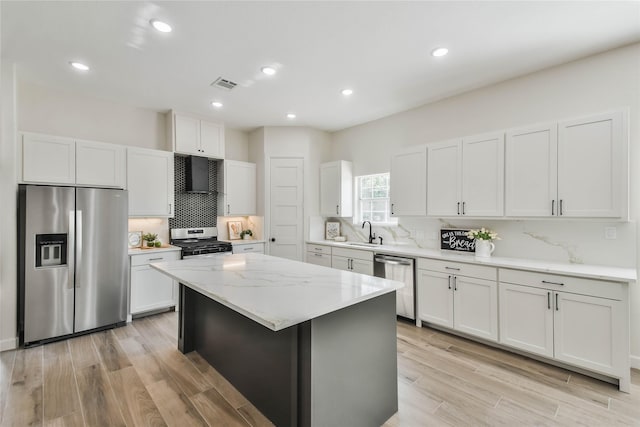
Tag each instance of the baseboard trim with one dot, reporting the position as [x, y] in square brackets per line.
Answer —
[9, 344]
[635, 362]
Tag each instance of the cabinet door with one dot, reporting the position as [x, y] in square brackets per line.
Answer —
[435, 297]
[592, 166]
[526, 318]
[362, 267]
[483, 175]
[239, 188]
[150, 182]
[48, 159]
[444, 185]
[212, 139]
[475, 305]
[330, 189]
[408, 191]
[531, 175]
[187, 135]
[150, 289]
[319, 259]
[100, 164]
[589, 332]
[341, 263]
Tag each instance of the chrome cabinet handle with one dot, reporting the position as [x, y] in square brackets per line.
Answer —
[549, 300]
[553, 207]
[546, 282]
[452, 268]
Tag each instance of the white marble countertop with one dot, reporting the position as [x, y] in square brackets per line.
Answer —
[600, 272]
[244, 242]
[275, 292]
[140, 251]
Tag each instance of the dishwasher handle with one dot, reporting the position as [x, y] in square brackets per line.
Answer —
[392, 261]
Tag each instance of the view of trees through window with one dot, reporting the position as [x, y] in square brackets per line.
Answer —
[373, 197]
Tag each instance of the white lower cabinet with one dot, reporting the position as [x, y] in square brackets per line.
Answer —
[319, 255]
[150, 289]
[245, 248]
[353, 260]
[449, 299]
[581, 322]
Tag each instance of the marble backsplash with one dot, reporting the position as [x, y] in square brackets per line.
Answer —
[566, 240]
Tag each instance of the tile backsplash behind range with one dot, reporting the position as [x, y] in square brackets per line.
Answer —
[194, 209]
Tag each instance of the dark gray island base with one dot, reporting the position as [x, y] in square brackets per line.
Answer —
[339, 369]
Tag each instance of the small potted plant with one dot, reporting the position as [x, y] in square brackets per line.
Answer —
[150, 238]
[246, 234]
[483, 239]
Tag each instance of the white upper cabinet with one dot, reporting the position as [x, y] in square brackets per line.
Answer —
[336, 189]
[100, 164]
[48, 159]
[592, 166]
[577, 168]
[239, 188]
[408, 191]
[532, 171]
[55, 160]
[193, 136]
[466, 177]
[150, 182]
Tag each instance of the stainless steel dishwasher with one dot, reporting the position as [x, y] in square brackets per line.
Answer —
[400, 269]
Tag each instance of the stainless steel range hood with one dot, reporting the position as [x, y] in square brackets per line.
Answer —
[197, 174]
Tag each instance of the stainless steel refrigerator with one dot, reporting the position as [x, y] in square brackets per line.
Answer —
[73, 261]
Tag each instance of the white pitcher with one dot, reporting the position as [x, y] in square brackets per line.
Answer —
[484, 248]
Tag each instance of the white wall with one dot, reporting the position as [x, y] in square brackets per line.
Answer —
[599, 83]
[236, 145]
[8, 224]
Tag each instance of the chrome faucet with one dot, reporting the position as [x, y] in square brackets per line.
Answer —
[372, 236]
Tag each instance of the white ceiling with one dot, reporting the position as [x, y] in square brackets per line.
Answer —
[380, 49]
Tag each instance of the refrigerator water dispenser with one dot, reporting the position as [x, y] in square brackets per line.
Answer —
[51, 250]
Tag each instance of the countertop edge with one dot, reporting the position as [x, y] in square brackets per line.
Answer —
[600, 272]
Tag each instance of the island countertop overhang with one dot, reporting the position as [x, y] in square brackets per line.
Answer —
[275, 292]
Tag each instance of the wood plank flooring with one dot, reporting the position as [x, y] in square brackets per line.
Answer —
[135, 376]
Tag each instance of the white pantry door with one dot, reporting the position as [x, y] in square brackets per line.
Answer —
[286, 203]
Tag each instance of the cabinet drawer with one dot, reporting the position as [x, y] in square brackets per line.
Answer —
[319, 249]
[319, 259]
[556, 282]
[459, 269]
[144, 259]
[244, 249]
[353, 253]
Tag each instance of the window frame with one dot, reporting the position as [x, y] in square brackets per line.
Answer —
[358, 200]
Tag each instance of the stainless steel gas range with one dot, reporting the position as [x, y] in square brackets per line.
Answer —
[199, 242]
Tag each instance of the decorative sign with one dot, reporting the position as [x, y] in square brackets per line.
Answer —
[456, 240]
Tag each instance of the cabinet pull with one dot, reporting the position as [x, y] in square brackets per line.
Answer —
[463, 204]
[338, 209]
[228, 208]
[156, 259]
[549, 300]
[455, 283]
[317, 254]
[557, 302]
[449, 282]
[350, 263]
[169, 208]
[452, 268]
[553, 207]
[458, 208]
[392, 205]
[560, 207]
[546, 282]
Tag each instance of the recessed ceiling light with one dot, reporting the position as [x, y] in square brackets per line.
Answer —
[217, 104]
[441, 51]
[163, 27]
[269, 71]
[291, 116]
[79, 66]
[347, 92]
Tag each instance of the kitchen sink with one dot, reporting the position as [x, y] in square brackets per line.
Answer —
[367, 245]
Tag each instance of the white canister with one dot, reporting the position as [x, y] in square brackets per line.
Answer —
[484, 248]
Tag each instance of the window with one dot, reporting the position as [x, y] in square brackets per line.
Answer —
[373, 198]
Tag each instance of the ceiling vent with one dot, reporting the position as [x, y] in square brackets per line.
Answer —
[224, 84]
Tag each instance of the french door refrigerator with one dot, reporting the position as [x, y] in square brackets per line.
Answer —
[73, 262]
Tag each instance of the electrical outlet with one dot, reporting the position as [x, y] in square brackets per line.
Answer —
[610, 233]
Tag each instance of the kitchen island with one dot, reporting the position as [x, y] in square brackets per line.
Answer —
[307, 345]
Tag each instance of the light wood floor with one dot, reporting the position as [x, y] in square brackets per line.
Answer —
[134, 375]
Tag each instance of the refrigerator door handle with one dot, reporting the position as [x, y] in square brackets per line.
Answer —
[71, 259]
[78, 245]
